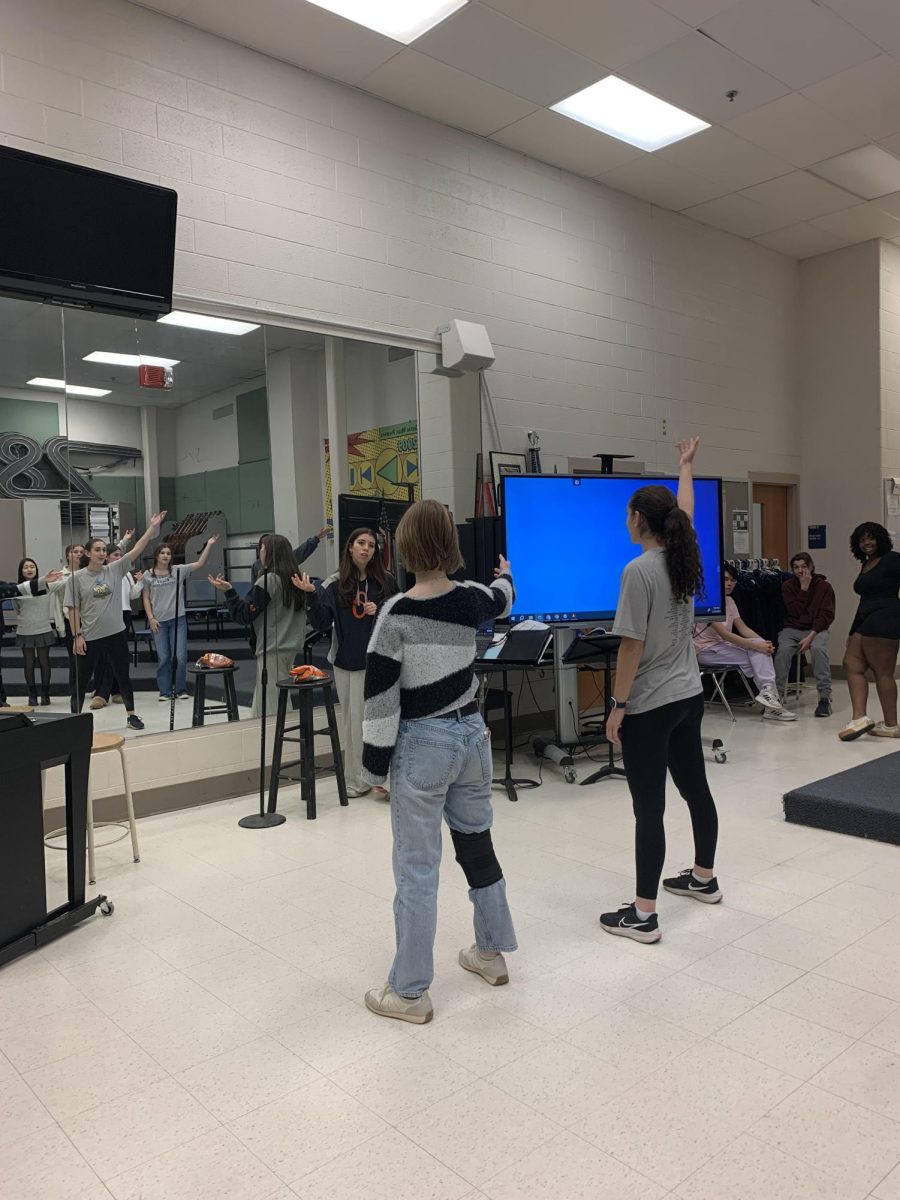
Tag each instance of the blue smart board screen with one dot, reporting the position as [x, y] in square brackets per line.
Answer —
[568, 543]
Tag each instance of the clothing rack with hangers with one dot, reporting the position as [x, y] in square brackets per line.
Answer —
[754, 564]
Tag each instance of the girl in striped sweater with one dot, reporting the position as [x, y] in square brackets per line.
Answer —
[422, 724]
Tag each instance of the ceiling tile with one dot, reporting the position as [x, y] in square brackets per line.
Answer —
[797, 41]
[297, 32]
[565, 143]
[879, 20]
[432, 88]
[695, 12]
[800, 194]
[800, 241]
[721, 156]
[868, 172]
[485, 44]
[696, 74]
[735, 214]
[861, 222]
[796, 129]
[652, 178]
[867, 96]
[889, 204]
[612, 32]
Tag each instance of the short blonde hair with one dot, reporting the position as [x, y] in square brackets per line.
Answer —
[427, 539]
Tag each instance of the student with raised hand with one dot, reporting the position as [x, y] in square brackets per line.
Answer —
[275, 608]
[94, 599]
[422, 725]
[352, 597]
[161, 601]
[31, 587]
[658, 698]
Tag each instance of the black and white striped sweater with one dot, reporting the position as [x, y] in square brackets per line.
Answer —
[420, 662]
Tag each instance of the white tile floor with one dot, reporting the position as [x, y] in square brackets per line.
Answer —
[208, 1041]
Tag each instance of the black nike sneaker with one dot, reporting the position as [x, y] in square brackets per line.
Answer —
[627, 923]
[685, 884]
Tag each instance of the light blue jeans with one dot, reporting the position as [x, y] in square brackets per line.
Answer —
[441, 770]
[165, 650]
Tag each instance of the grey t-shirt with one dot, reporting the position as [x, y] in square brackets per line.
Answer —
[162, 589]
[649, 613]
[98, 596]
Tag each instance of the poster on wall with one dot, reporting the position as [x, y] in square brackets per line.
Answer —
[380, 462]
[740, 530]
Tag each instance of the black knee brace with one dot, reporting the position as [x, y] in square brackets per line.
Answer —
[475, 854]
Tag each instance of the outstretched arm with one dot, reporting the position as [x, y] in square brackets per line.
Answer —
[150, 532]
[204, 553]
[686, 451]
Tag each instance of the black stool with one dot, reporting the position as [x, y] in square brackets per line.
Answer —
[201, 708]
[305, 692]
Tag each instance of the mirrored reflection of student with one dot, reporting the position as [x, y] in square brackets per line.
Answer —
[277, 612]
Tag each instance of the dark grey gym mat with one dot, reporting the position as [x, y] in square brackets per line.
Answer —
[864, 801]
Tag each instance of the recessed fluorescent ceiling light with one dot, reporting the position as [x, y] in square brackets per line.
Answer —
[868, 172]
[210, 324]
[69, 388]
[402, 20]
[630, 114]
[129, 360]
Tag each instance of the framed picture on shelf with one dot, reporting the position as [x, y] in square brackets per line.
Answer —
[505, 464]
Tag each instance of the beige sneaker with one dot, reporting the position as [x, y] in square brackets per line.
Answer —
[882, 730]
[856, 729]
[490, 966]
[383, 793]
[98, 702]
[354, 792]
[385, 1002]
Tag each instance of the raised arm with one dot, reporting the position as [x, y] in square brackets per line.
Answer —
[204, 553]
[686, 451]
[151, 531]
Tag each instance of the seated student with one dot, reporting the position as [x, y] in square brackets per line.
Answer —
[809, 601]
[731, 641]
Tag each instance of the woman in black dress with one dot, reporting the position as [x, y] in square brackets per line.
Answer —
[875, 633]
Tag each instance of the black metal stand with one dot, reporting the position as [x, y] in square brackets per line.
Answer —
[605, 652]
[507, 780]
[28, 750]
[263, 819]
[174, 571]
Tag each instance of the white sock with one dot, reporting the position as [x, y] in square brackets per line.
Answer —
[643, 916]
[700, 878]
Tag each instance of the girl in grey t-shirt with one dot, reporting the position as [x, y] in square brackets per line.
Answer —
[658, 701]
[94, 599]
[164, 606]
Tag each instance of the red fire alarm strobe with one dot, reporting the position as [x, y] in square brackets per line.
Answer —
[155, 377]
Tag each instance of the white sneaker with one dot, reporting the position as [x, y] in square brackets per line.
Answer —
[491, 967]
[882, 730]
[385, 1002]
[856, 729]
[355, 792]
[769, 698]
[779, 714]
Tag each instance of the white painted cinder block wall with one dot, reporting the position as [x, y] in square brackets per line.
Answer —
[617, 326]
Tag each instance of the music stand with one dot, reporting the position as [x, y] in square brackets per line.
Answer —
[521, 651]
[599, 648]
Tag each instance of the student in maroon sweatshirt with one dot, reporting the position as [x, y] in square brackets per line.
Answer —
[809, 601]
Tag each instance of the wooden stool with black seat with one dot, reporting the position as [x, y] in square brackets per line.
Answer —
[201, 708]
[305, 693]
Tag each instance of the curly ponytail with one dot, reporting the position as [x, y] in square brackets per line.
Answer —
[664, 519]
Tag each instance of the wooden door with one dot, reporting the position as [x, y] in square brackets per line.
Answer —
[773, 500]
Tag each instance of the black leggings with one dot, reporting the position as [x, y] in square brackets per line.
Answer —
[43, 657]
[106, 683]
[667, 737]
[114, 650]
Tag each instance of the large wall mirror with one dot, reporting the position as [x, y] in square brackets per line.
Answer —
[231, 429]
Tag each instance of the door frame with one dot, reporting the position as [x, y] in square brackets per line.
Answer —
[792, 484]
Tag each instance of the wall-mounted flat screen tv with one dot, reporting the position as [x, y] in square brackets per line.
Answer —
[75, 236]
[568, 544]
